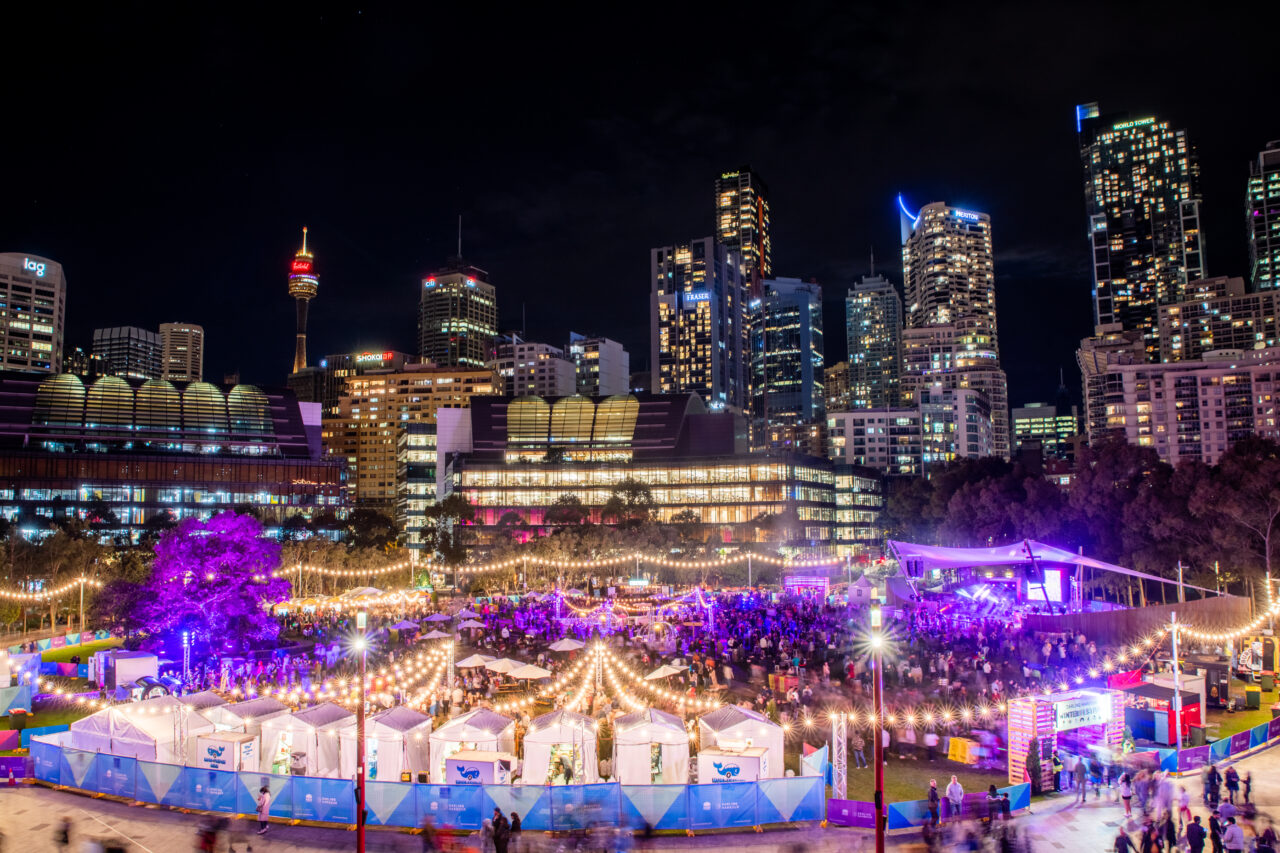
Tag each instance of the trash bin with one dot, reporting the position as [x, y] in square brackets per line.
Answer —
[1252, 697]
[1196, 735]
[1268, 682]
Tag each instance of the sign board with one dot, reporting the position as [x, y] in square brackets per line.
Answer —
[234, 751]
[719, 766]
[1092, 709]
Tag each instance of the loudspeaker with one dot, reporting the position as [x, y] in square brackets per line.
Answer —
[422, 777]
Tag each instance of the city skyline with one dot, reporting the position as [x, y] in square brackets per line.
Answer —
[566, 245]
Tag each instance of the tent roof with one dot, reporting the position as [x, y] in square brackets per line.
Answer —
[326, 713]
[561, 718]
[647, 717]
[202, 700]
[259, 707]
[1015, 554]
[401, 719]
[1156, 691]
[481, 721]
[723, 719]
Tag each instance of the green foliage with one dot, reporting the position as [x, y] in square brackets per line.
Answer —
[1033, 765]
[370, 528]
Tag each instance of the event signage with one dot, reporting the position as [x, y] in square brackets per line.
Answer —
[1093, 709]
[34, 266]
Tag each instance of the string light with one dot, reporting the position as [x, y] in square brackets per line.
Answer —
[45, 595]
[684, 701]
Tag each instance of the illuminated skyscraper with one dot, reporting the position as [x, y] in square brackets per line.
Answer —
[457, 316]
[742, 223]
[303, 286]
[699, 329]
[34, 293]
[1142, 197]
[129, 351]
[1263, 210]
[873, 325]
[181, 352]
[786, 356]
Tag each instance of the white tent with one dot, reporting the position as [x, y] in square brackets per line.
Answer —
[735, 727]
[247, 716]
[395, 740]
[435, 635]
[650, 748]
[664, 671]
[203, 701]
[305, 743]
[466, 613]
[471, 623]
[160, 729]
[361, 592]
[558, 740]
[481, 729]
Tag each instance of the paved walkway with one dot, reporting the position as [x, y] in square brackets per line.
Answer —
[28, 817]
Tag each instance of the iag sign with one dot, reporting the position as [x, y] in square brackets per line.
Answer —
[36, 267]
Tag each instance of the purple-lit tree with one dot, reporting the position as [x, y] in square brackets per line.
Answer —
[213, 579]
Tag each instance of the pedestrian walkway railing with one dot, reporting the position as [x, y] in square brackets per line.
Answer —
[63, 640]
[1233, 746]
[405, 804]
[916, 812]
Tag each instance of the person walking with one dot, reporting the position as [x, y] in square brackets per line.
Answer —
[1248, 785]
[62, 834]
[514, 843]
[1233, 837]
[1184, 805]
[501, 831]
[429, 844]
[859, 754]
[1081, 787]
[1215, 833]
[955, 799]
[935, 802]
[1195, 835]
[1232, 779]
[1126, 794]
[1123, 844]
[264, 809]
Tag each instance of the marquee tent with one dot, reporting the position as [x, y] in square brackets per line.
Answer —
[247, 716]
[435, 635]
[394, 741]
[304, 743]
[157, 729]
[529, 672]
[361, 592]
[650, 748]
[205, 700]
[481, 729]
[556, 741]
[735, 727]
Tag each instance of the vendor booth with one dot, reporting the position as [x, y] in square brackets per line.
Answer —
[247, 716]
[1149, 713]
[1076, 722]
[650, 748]
[396, 741]
[234, 751]
[560, 749]
[116, 667]
[204, 701]
[749, 764]
[735, 727]
[305, 743]
[482, 730]
[161, 729]
[471, 767]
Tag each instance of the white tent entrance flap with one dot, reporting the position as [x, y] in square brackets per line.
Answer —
[560, 749]
[650, 747]
[396, 741]
[482, 729]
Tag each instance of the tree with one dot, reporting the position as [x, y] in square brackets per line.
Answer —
[213, 579]
[1033, 765]
[630, 504]
[567, 510]
[1242, 501]
[369, 528]
[446, 530]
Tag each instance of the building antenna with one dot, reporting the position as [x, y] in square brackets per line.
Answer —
[459, 235]
[524, 322]
[304, 239]
[873, 261]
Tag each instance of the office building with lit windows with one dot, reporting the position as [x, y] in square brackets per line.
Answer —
[786, 356]
[129, 351]
[873, 326]
[742, 223]
[1188, 409]
[457, 316]
[34, 292]
[602, 366]
[416, 481]
[144, 448]
[1262, 208]
[181, 352]
[1142, 200]
[699, 324]
[521, 456]
[1218, 315]
[325, 382]
[376, 407]
[1052, 427]
[837, 384]
[525, 367]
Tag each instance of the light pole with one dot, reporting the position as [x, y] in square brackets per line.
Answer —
[877, 687]
[361, 645]
[1177, 683]
[82, 602]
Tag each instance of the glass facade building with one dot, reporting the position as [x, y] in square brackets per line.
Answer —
[457, 317]
[873, 326]
[1262, 209]
[786, 356]
[1219, 315]
[742, 223]
[129, 351]
[416, 478]
[33, 300]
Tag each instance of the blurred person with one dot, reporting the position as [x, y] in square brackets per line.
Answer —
[955, 799]
[1233, 837]
[264, 809]
[62, 834]
[1195, 835]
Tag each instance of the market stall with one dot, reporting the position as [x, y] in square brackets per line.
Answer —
[1149, 713]
[471, 767]
[650, 747]
[247, 716]
[482, 729]
[160, 729]
[560, 749]
[1074, 723]
[396, 741]
[735, 727]
[305, 743]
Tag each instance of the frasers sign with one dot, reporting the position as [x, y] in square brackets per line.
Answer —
[1091, 710]
[697, 296]
[33, 266]
[366, 357]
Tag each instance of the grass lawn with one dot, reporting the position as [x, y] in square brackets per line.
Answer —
[85, 650]
[61, 714]
[1229, 724]
[909, 780]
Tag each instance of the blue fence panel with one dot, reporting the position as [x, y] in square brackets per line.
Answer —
[1219, 750]
[210, 790]
[330, 800]
[116, 775]
[582, 806]
[452, 806]
[27, 734]
[658, 806]
[1193, 758]
[154, 781]
[76, 768]
[1258, 735]
[391, 804]
[717, 806]
[795, 799]
[910, 813]
[1019, 796]
[46, 758]
[531, 802]
[250, 786]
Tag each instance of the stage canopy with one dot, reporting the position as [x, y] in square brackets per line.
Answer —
[1016, 554]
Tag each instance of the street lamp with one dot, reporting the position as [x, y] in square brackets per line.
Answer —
[877, 687]
[361, 645]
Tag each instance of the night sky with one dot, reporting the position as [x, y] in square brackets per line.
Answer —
[169, 158]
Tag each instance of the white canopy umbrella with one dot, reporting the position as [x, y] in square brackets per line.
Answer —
[437, 617]
[361, 592]
[566, 645]
[435, 635]
[530, 671]
[471, 623]
[663, 671]
[405, 625]
[503, 665]
[474, 660]
[466, 613]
